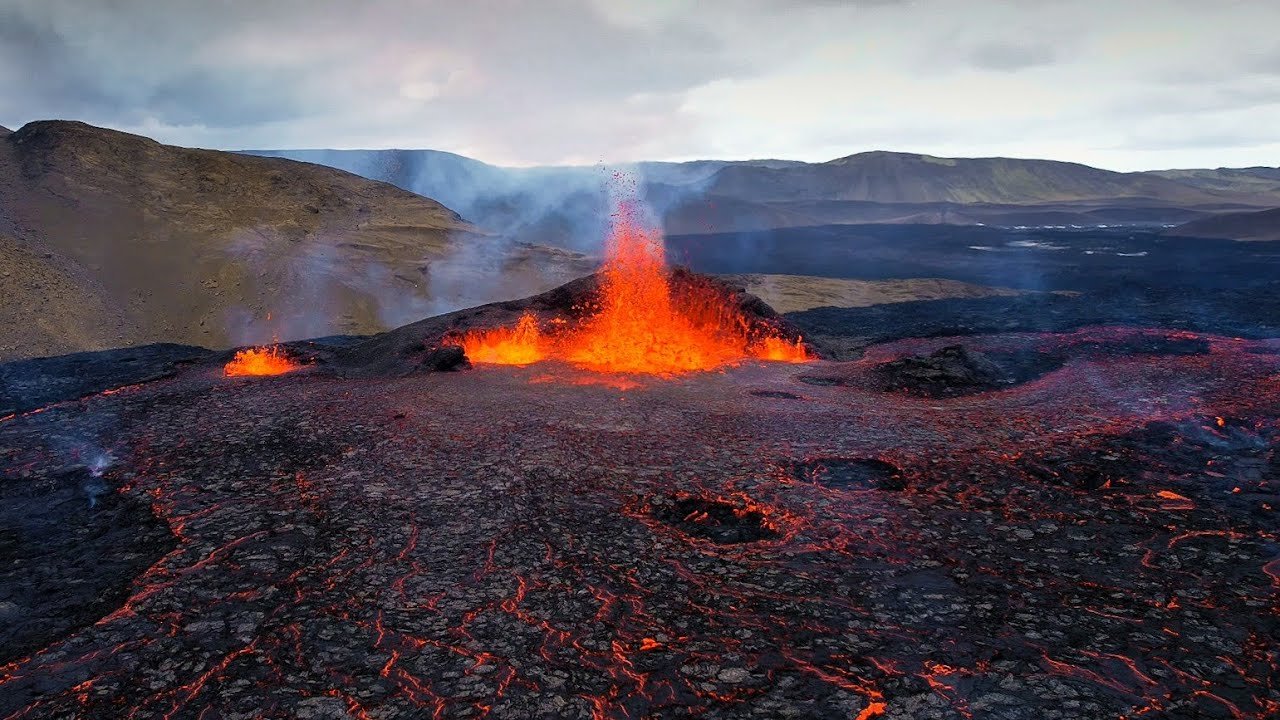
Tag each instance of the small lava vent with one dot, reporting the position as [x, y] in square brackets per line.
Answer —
[779, 394]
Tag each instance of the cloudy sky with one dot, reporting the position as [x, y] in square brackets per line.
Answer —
[1122, 84]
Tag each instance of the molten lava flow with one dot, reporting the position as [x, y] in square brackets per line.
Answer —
[504, 346]
[639, 325]
[638, 328]
[260, 361]
[780, 350]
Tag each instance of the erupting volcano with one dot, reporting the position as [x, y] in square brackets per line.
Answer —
[260, 361]
[639, 322]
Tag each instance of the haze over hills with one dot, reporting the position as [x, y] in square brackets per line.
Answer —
[566, 206]
[110, 239]
[560, 205]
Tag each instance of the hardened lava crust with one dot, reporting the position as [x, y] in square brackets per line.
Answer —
[1095, 540]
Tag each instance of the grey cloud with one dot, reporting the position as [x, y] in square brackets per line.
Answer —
[1225, 96]
[1267, 63]
[38, 70]
[204, 96]
[546, 63]
[1197, 139]
[106, 66]
[548, 81]
[1011, 56]
[801, 4]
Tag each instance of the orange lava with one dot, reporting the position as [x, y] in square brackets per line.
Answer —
[640, 326]
[259, 361]
[520, 345]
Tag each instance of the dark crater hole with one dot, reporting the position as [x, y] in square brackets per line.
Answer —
[715, 520]
[779, 394]
[852, 474]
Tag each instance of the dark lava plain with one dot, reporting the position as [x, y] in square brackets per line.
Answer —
[1094, 539]
[509, 542]
[1078, 277]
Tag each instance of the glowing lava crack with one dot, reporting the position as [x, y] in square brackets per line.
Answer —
[639, 323]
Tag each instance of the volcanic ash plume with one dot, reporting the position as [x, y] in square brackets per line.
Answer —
[640, 323]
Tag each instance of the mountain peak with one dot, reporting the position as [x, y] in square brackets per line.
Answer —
[889, 156]
[74, 128]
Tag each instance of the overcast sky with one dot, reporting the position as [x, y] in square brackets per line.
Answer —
[1122, 84]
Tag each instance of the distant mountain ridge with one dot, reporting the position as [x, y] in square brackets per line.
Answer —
[890, 177]
[564, 205]
[1250, 179]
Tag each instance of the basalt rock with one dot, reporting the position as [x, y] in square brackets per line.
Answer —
[953, 370]
[445, 358]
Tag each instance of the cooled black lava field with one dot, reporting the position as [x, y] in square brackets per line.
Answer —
[1077, 521]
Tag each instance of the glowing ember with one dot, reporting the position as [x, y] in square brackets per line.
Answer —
[639, 325]
[259, 361]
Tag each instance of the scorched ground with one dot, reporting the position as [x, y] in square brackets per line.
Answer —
[1097, 539]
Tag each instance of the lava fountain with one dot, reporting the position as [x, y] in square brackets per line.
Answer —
[521, 345]
[639, 323]
[259, 361]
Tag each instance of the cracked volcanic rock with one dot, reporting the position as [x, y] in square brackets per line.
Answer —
[531, 542]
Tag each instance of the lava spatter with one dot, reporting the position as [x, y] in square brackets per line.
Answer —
[270, 360]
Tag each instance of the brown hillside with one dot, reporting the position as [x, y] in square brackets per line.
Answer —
[113, 239]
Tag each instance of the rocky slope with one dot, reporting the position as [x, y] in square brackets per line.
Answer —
[109, 239]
